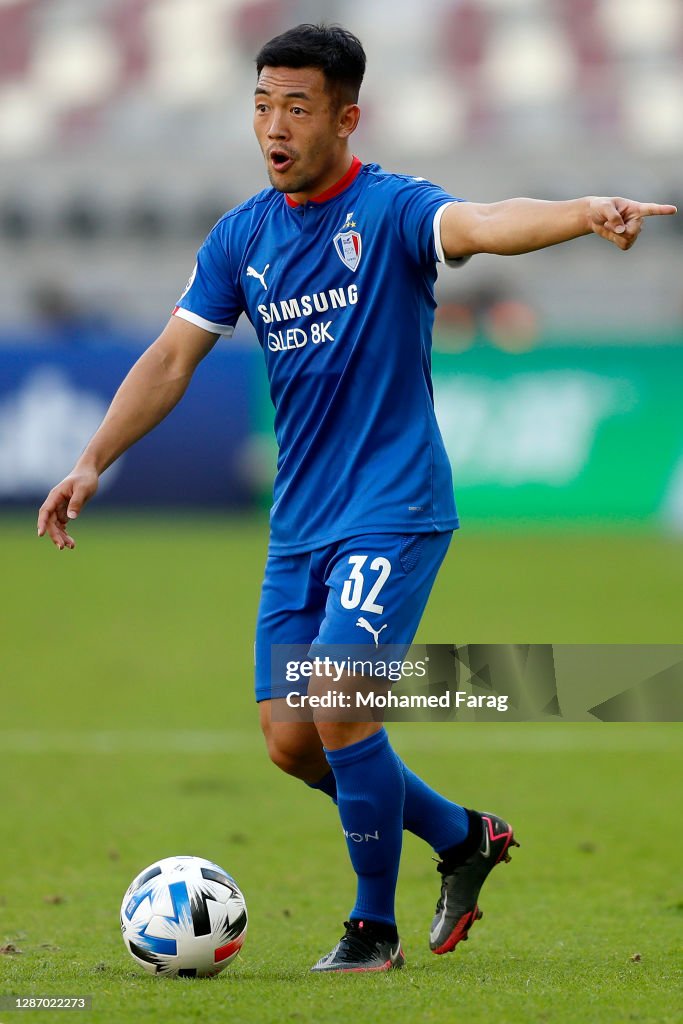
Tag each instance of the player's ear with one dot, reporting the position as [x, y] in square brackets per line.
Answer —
[349, 116]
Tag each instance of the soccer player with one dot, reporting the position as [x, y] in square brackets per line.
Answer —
[335, 265]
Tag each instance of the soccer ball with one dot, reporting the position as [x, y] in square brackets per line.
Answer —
[183, 917]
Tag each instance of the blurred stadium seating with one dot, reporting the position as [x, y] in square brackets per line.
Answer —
[125, 131]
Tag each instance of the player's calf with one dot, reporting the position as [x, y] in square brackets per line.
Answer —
[294, 747]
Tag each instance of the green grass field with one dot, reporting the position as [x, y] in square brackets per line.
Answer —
[128, 733]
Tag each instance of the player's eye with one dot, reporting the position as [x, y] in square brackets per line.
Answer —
[261, 108]
[298, 110]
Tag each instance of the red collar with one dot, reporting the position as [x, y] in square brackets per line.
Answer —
[334, 190]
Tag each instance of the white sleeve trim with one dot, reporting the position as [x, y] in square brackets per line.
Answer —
[438, 244]
[199, 321]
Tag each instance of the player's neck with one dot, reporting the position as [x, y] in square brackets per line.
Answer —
[342, 169]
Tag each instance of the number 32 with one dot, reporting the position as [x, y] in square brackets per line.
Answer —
[352, 591]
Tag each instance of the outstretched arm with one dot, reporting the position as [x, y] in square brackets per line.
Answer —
[154, 385]
[515, 226]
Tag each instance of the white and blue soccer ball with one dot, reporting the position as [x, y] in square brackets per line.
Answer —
[184, 917]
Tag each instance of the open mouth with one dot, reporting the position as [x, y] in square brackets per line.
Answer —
[280, 160]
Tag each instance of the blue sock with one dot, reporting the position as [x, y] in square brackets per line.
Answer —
[431, 816]
[426, 813]
[327, 785]
[370, 792]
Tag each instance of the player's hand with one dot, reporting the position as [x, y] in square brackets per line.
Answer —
[63, 503]
[620, 220]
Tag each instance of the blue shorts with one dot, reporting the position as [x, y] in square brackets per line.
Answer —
[363, 590]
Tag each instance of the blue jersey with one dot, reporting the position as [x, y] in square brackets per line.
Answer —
[340, 291]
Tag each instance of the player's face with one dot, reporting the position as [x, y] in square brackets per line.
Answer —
[302, 130]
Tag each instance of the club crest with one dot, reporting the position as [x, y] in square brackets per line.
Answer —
[349, 247]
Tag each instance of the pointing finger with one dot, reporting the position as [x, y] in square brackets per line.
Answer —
[656, 209]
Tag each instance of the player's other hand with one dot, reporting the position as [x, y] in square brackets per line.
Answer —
[63, 503]
[620, 220]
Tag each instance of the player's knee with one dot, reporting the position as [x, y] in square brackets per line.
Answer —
[286, 752]
[293, 746]
[287, 759]
[335, 735]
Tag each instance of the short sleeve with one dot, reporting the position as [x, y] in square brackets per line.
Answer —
[418, 207]
[210, 299]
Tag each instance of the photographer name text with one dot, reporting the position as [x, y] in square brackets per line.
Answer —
[349, 701]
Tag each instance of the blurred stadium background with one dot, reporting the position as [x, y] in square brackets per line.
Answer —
[125, 132]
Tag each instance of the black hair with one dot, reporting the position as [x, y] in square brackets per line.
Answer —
[335, 51]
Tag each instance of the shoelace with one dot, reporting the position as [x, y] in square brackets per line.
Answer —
[355, 940]
[446, 871]
[440, 901]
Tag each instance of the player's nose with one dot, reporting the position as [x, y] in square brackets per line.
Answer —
[277, 128]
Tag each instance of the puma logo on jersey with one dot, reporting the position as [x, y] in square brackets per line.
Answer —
[364, 624]
[261, 277]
